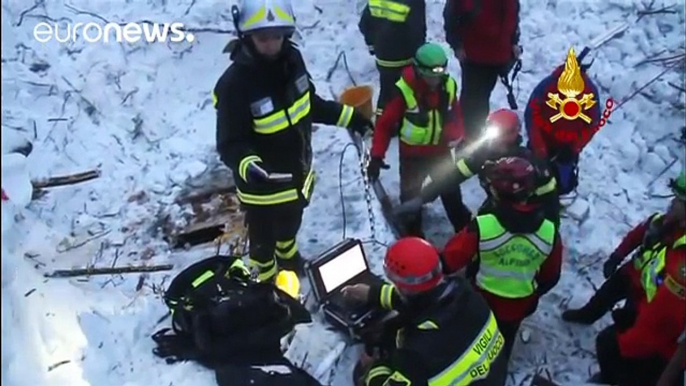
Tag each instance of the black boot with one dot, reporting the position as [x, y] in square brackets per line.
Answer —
[613, 290]
[295, 264]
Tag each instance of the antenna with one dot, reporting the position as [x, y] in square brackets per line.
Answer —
[236, 15]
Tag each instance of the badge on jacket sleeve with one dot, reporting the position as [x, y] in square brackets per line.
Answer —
[262, 107]
[302, 84]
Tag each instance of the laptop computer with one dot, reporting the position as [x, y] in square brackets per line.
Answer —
[342, 265]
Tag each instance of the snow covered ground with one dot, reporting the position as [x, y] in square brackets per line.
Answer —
[143, 115]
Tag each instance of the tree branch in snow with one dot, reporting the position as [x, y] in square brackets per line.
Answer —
[676, 86]
[650, 11]
[58, 364]
[108, 271]
[665, 60]
[66, 180]
[80, 12]
[37, 4]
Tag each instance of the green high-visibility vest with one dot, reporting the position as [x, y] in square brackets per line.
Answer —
[651, 274]
[509, 261]
[643, 256]
[422, 127]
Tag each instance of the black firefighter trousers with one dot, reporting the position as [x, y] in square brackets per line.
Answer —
[413, 172]
[478, 81]
[271, 234]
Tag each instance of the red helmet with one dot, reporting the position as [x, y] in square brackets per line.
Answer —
[505, 124]
[413, 265]
[510, 178]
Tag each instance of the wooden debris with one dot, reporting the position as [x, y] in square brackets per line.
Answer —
[107, 271]
[58, 364]
[66, 180]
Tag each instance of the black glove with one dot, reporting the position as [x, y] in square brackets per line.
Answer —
[360, 124]
[624, 317]
[611, 264]
[374, 168]
[174, 348]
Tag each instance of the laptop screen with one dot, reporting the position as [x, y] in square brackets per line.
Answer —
[342, 268]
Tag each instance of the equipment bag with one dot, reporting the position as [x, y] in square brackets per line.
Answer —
[219, 315]
[276, 373]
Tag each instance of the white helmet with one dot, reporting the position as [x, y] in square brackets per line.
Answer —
[260, 14]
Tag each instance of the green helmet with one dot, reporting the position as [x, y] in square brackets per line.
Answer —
[431, 60]
[678, 186]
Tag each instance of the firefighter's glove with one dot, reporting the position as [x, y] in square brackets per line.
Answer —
[374, 168]
[356, 294]
[360, 124]
[408, 207]
[611, 265]
[256, 173]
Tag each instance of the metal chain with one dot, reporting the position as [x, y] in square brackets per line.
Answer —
[364, 160]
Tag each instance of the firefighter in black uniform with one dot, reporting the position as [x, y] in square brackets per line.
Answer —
[502, 138]
[393, 31]
[266, 104]
[447, 334]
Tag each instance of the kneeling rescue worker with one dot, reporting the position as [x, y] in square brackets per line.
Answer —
[636, 349]
[513, 255]
[653, 234]
[266, 104]
[502, 138]
[447, 335]
[428, 112]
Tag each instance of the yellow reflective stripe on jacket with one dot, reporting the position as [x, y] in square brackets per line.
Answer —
[307, 186]
[427, 325]
[393, 63]
[389, 10]
[215, 100]
[268, 199]
[547, 188]
[463, 168]
[380, 371]
[386, 297]
[475, 363]
[244, 164]
[346, 116]
[279, 120]
[397, 379]
[414, 130]
[652, 272]
[282, 197]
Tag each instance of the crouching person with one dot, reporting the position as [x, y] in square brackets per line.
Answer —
[228, 322]
[445, 333]
[513, 254]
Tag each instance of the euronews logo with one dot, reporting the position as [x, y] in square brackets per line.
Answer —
[96, 33]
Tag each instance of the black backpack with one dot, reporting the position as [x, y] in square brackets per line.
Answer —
[220, 316]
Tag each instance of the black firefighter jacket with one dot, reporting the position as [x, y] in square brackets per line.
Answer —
[265, 112]
[394, 30]
[453, 340]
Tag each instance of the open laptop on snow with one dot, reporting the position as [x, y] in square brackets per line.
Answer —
[342, 265]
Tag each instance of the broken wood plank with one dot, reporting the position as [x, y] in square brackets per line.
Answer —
[231, 223]
[66, 180]
[107, 271]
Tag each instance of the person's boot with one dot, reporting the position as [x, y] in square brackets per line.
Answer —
[612, 291]
[413, 226]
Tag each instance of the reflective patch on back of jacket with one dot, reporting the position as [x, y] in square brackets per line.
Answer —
[262, 107]
[303, 83]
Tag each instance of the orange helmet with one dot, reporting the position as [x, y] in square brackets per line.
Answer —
[413, 265]
[505, 125]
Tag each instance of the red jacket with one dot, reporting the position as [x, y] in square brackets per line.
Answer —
[463, 249]
[486, 29]
[545, 137]
[393, 114]
[629, 243]
[660, 322]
